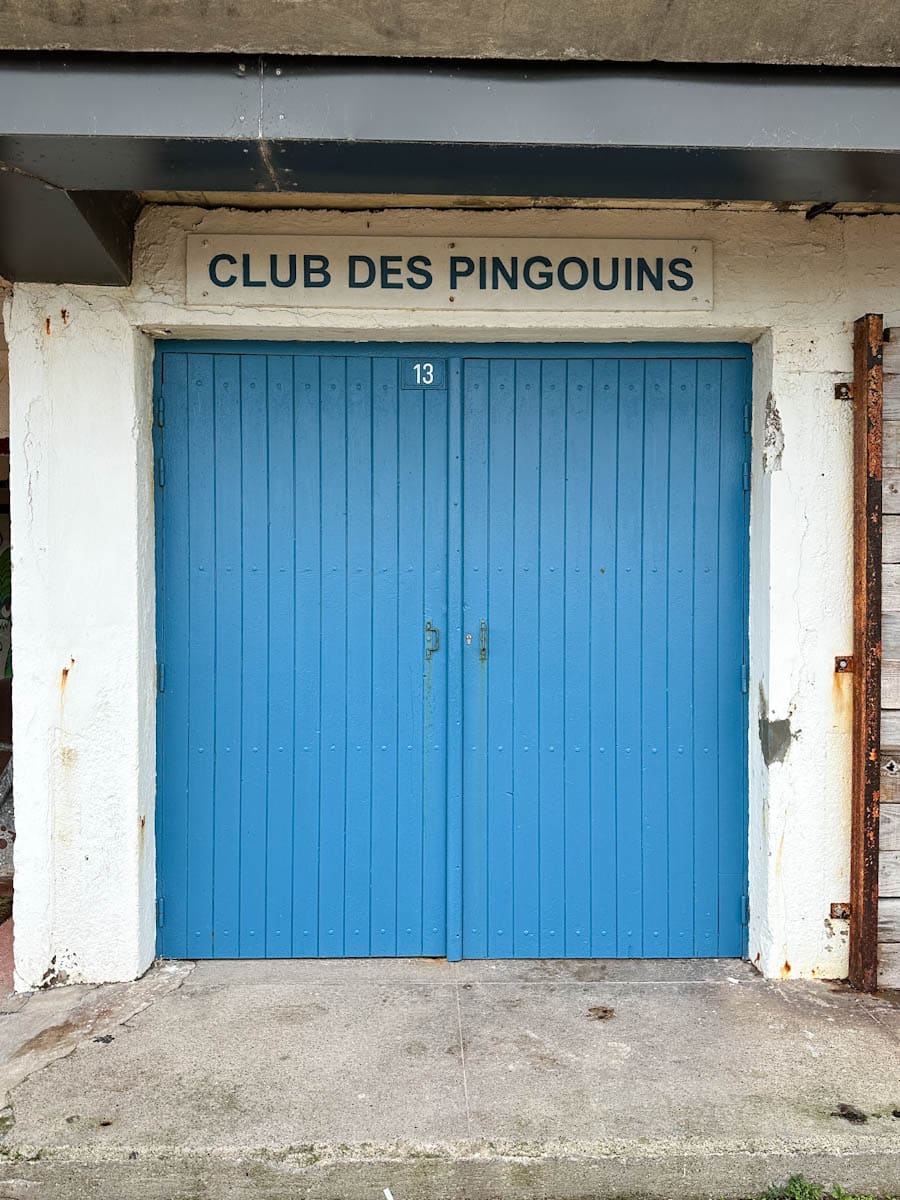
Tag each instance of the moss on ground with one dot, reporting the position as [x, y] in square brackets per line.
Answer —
[798, 1188]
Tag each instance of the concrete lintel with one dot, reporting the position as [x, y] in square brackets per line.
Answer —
[728, 31]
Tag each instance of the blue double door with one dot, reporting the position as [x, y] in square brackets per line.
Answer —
[452, 650]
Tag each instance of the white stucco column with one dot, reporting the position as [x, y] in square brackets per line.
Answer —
[800, 618]
[84, 684]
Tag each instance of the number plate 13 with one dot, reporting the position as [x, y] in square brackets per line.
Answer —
[422, 373]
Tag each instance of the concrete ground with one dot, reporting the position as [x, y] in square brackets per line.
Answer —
[438, 1080]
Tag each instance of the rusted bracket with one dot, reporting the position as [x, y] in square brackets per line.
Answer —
[841, 911]
[843, 391]
[843, 664]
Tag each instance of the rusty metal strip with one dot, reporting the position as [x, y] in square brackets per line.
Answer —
[867, 470]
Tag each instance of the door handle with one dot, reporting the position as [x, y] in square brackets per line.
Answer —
[483, 641]
[432, 639]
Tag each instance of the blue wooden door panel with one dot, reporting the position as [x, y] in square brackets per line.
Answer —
[565, 776]
[302, 743]
[604, 755]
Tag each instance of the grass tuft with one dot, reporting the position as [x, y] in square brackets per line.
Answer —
[798, 1188]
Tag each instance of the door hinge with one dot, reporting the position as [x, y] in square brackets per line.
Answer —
[161, 409]
[748, 417]
[160, 677]
[160, 912]
[746, 477]
[161, 471]
[745, 910]
[745, 678]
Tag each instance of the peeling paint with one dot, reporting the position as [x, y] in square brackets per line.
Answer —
[775, 738]
[773, 437]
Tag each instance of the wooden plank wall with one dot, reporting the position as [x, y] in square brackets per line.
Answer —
[889, 851]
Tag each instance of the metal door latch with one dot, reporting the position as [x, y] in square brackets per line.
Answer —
[432, 639]
[482, 642]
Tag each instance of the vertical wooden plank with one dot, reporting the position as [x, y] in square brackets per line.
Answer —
[577, 630]
[360, 797]
[172, 836]
[201, 777]
[602, 652]
[227, 862]
[434, 775]
[410, 665]
[706, 659]
[680, 639]
[254, 654]
[526, 854]
[629, 556]
[551, 700]
[279, 832]
[868, 400]
[455, 751]
[500, 791]
[654, 661]
[385, 621]
[308, 642]
[476, 416]
[333, 795]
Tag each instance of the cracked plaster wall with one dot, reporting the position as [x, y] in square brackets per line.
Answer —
[83, 568]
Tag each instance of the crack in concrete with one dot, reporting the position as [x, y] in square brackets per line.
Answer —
[462, 1055]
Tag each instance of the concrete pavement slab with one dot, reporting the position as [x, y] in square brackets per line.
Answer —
[442, 1081]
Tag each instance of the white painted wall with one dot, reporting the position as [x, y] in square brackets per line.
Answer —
[83, 724]
[83, 565]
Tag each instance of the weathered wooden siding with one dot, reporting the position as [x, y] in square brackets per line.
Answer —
[889, 846]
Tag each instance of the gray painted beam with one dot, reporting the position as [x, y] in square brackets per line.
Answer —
[260, 125]
[100, 125]
[280, 99]
[50, 236]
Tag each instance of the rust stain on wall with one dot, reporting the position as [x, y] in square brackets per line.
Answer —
[842, 694]
[64, 676]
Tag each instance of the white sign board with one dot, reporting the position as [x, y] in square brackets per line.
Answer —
[525, 274]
